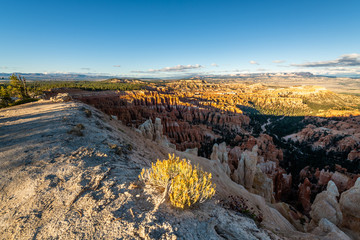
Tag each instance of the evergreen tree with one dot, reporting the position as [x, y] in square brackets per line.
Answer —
[18, 83]
[5, 98]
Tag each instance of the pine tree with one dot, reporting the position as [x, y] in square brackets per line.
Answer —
[5, 98]
[18, 83]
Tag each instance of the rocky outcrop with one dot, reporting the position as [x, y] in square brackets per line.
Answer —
[61, 97]
[305, 194]
[220, 154]
[323, 177]
[266, 147]
[197, 114]
[193, 151]
[340, 135]
[282, 184]
[350, 207]
[329, 231]
[341, 181]
[234, 158]
[298, 220]
[154, 132]
[327, 206]
[340, 177]
[246, 170]
[186, 121]
[147, 129]
[269, 157]
[268, 167]
[354, 154]
[158, 128]
[270, 181]
[263, 186]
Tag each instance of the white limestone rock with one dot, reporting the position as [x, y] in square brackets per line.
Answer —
[327, 206]
[350, 207]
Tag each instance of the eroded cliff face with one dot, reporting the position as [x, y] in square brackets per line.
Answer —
[215, 121]
[186, 123]
[331, 135]
[330, 148]
[190, 124]
[196, 115]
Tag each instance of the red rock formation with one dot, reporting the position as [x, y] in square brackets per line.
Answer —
[282, 183]
[354, 154]
[323, 177]
[337, 135]
[352, 181]
[249, 143]
[268, 150]
[185, 122]
[234, 158]
[305, 194]
[198, 114]
[266, 147]
[268, 161]
[341, 181]
[305, 173]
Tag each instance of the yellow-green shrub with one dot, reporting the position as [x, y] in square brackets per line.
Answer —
[187, 184]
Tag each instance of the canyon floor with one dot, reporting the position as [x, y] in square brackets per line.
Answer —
[67, 171]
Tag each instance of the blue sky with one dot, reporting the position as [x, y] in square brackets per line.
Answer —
[166, 38]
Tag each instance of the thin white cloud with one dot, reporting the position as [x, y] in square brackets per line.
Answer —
[278, 61]
[4, 67]
[234, 71]
[214, 65]
[340, 70]
[177, 68]
[117, 66]
[85, 68]
[58, 72]
[254, 62]
[346, 60]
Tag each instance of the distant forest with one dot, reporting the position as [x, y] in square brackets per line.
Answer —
[37, 87]
[19, 91]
